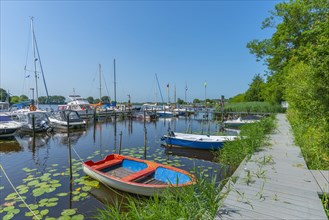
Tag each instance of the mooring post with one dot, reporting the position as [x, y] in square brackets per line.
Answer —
[120, 144]
[33, 124]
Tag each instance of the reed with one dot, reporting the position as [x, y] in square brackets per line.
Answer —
[200, 201]
[259, 107]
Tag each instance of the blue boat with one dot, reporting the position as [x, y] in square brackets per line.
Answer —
[196, 141]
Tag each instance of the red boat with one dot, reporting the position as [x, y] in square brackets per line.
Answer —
[137, 176]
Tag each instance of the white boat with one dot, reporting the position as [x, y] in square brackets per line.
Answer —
[4, 106]
[78, 104]
[8, 127]
[41, 121]
[241, 121]
[196, 141]
[58, 120]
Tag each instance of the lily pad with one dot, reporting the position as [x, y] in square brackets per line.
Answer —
[68, 212]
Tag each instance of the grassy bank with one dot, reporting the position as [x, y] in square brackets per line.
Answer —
[312, 135]
[254, 137]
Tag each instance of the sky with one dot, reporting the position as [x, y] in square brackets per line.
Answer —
[184, 43]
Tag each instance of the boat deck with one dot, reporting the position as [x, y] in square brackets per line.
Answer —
[275, 183]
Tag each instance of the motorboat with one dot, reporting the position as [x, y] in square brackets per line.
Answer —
[8, 127]
[41, 121]
[79, 104]
[60, 120]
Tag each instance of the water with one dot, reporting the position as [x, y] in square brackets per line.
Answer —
[40, 167]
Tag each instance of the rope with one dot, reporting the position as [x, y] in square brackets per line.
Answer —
[17, 192]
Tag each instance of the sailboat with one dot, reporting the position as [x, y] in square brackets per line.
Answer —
[33, 105]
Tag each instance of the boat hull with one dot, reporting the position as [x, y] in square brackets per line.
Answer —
[193, 144]
[194, 141]
[137, 176]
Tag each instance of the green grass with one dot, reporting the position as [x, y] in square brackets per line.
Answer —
[200, 201]
[325, 203]
[260, 107]
[254, 137]
[313, 138]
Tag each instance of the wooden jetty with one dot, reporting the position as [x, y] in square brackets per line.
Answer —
[275, 183]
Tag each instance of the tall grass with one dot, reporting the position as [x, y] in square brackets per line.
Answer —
[312, 135]
[200, 201]
[260, 107]
[253, 136]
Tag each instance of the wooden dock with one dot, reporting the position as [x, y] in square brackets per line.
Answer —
[275, 183]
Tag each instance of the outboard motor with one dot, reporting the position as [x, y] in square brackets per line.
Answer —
[45, 126]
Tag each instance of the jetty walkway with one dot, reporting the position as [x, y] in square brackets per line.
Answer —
[275, 183]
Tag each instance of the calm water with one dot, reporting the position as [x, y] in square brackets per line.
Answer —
[40, 167]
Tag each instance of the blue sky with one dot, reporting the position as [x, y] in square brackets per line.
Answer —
[183, 42]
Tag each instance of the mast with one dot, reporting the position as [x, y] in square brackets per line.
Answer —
[100, 83]
[156, 76]
[175, 101]
[35, 64]
[115, 87]
[36, 49]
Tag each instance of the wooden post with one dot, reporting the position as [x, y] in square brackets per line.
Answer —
[33, 124]
[120, 144]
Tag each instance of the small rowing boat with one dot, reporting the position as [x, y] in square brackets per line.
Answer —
[137, 176]
[196, 141]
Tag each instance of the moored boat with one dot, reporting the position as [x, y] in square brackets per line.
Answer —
[137, 176]
[241, 121]
[41, 121]
[58, 120]
[197, 141]
[79, 104]
[8, 127]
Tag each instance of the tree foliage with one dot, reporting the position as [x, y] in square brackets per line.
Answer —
[297, 57]
[3, 95]
[254, 93]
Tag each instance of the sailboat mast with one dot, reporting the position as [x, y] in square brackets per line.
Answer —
[100, 83]
[35, 64]
[115, 87]
[36, 49]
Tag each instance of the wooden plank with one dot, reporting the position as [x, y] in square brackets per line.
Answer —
[325, 174]
[323, 184]
[287, 190]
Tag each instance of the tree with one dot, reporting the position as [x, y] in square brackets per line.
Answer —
[237, 98]
[90, 99]
[196, 101]
[254, 93]
[106, 99]
[14, 99]
[180, 101]
[23, 98]
[3, 95]
[301, 22]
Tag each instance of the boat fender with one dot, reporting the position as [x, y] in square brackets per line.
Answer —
[33, 108]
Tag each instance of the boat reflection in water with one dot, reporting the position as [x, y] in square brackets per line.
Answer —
[62, 138]
[9, 146]
[207, 155]
[30, 142]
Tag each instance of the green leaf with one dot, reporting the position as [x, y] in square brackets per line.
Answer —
[68, 212]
